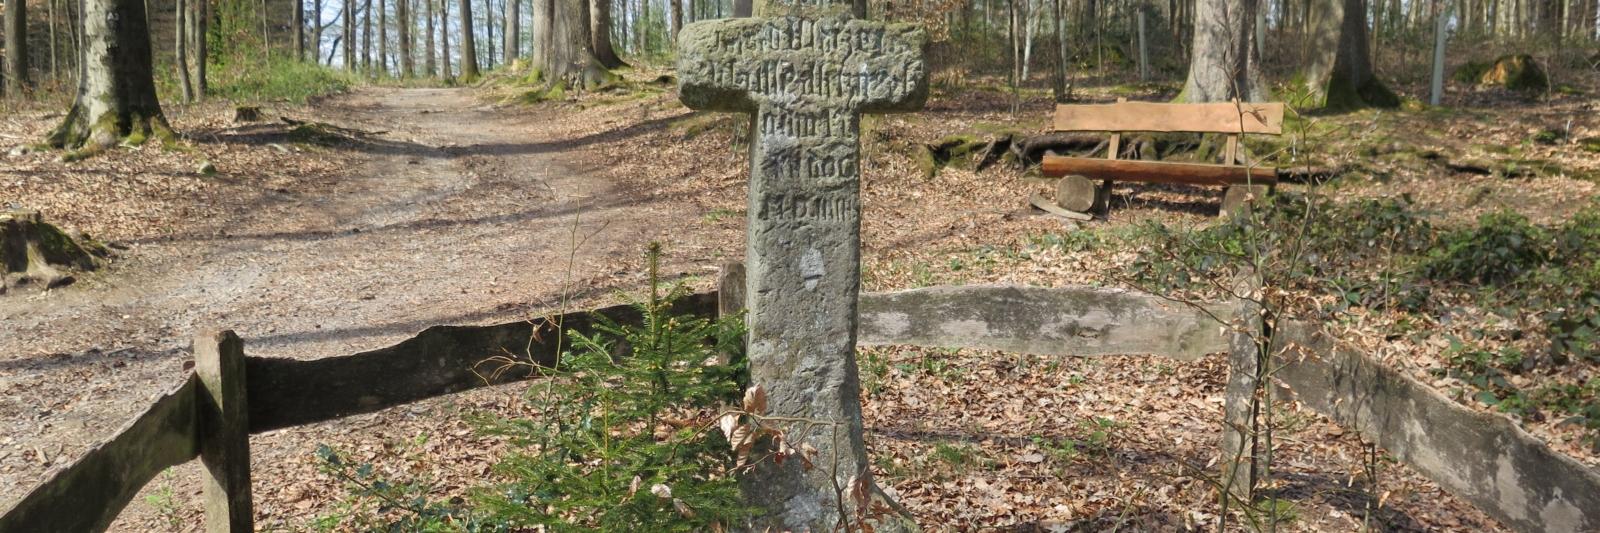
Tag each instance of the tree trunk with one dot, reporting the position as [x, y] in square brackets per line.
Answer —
[298, 18]
[403, 25]
[1058, 79]
[366, 37]
[570, 59]
[182, 50]
[541, 32]
[348, 34]
[199, 20]
[383, 40]
[1339, 75]
[1224, 63]
[17, 47]
[116, 99]
[429, 68]
[316, 30]
[677, 20]
[600, 33]
[488, 31]
[469, 50]
[512, 32]
[444, 38]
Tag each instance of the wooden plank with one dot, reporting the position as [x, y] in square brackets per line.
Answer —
[89, 493]
[1065, 321]
[440, 360]
[1219, 117]
[1158, 171]
[1483, 458]
[224, 432]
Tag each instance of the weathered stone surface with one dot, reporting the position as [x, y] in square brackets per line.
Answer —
[1068, 321]
[1482, 458]
[806, 73]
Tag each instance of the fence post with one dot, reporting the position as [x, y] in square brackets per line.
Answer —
[730, 289]
[224, 431]
[1242, 394]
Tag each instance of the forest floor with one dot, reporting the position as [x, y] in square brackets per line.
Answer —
[454, 208]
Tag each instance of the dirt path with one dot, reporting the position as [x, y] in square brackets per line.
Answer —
[462, 214]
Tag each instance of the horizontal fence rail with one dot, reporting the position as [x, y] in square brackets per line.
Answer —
[1484, 459]
[88, 493]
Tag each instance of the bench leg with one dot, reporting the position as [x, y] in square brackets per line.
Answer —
[1237, 201]
[1076, 193]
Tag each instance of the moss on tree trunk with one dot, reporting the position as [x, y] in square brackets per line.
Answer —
[33, 251]
[116, 100]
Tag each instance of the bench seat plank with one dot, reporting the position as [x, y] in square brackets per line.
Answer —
[1217, 117]
[1158, 171]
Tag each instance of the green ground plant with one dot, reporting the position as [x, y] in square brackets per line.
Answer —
[626, 439]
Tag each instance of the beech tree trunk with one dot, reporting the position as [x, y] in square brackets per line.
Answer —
[512, 32]
[383, 40]
[428, 66]
[1339, 75]
[349, 34]
[182, 50]
[1224, 64]
[469, 50]
[298, 18]
[198, 21]
[16, 47]
[570, 59]
[366, 37]
[116, 99]
[316, 31]
[600, 14]
[444, 38]
[488, 32]
[402, 18]
[677, 19]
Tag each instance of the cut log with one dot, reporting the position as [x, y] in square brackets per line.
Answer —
[1076, 193]
[1158, 171]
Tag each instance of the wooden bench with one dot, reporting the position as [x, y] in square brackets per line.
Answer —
[1077, 190]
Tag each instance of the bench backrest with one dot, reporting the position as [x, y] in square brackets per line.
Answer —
[1218, 117]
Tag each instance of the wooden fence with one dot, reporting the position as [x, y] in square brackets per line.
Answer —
[210, 415]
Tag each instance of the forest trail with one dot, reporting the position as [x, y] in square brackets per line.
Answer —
[463, 213]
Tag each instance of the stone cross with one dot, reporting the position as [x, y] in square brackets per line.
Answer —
[806, 72]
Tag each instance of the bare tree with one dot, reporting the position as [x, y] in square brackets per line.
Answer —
[677, 18]
[16, 47]
[570, 60]
[316, 30]
[402, 19]
[469, 50]
[116, 98]
[1224, 64]
[199, 19]
[383, 40]
[181, 50]
[348, 34]
[366, 37]
[444, 37]
[428, 66]
[1339, 74]
[513, 30]
[600, 33]
[298, 18]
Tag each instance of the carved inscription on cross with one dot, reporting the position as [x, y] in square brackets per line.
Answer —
[806, 72]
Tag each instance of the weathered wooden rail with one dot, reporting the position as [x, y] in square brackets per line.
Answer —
[1484, 459]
